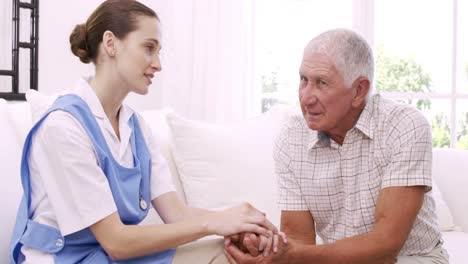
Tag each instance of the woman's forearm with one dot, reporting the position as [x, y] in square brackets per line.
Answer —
[128, 241]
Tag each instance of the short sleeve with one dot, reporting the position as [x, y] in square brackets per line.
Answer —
[289, 191]
[63, 158]
[410, 143]
[161, 180]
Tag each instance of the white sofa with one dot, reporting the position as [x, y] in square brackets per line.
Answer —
[217, 165]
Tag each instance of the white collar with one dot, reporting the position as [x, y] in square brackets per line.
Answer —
[85, 91]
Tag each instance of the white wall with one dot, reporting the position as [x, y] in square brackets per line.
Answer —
[206, 56]
[59, 69]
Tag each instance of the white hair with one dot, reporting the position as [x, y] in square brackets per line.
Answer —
[349, 51]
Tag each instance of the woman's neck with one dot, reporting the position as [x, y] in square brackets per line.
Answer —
[111, 94]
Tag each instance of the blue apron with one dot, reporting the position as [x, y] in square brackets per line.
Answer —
[130, 189]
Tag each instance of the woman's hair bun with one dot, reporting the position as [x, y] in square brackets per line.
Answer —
[78, 44]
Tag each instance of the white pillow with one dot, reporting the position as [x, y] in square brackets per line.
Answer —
[443, 212]
[19, 114]
[449, 167]
[156, 121]
[222, 165]
[10, 188]
[39, 102]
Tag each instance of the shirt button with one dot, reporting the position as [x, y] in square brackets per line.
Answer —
[59, 242]
[143, 204]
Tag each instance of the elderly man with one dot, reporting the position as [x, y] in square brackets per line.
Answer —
[354, 169]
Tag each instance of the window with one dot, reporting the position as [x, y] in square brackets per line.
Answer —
[18, 48]
[282, 29]
[420, 47]
[420, 60]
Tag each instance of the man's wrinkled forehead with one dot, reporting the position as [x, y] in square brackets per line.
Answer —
[317, 46]
[312, 56]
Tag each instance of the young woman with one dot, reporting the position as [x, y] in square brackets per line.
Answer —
[90, 169]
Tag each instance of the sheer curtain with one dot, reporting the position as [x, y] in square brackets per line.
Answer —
[207, 58]
[5, 43]
[363, 19]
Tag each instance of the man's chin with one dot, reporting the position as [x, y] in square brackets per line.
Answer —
[313, 126]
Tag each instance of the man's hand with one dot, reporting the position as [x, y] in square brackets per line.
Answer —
[256, 244]
[253, 255]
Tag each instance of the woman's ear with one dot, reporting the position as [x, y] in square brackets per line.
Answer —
[109, 43]
[361, 87]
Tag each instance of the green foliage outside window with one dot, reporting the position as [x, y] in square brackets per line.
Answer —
[462, 135]
[394, 74]
[440, 131]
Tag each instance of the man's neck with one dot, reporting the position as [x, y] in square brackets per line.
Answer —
[339, 134]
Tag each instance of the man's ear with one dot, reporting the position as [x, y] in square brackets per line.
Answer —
[109, 43]
[361, 88]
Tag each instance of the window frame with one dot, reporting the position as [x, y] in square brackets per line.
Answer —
[453, 95]
[32, 45]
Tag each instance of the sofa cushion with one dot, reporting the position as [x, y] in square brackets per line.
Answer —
[450, 172]
[19, 115]
[11, 190]
[455, 243]
[444, 216]
[39, 102]
[156, 120]
[222, 165]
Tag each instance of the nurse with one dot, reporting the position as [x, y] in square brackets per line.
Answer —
[91, 170]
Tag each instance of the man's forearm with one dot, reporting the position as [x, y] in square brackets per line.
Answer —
[368, 248]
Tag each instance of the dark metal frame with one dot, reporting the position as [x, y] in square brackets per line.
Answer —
[16, 45]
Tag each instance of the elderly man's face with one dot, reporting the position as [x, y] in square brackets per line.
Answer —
[325, 100]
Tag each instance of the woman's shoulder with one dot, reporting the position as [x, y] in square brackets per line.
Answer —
[61, 126]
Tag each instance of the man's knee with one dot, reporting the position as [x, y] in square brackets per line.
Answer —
[437, 256]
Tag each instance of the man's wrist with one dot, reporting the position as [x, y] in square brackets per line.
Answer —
[293, 253]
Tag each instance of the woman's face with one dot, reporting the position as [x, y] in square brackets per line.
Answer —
[137, 55]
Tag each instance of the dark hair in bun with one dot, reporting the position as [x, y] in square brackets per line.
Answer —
[78, 43]
[117, 16]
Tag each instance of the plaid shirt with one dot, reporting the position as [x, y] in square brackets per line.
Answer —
[390, 145]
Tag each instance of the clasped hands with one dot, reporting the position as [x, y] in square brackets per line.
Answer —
[253, 248]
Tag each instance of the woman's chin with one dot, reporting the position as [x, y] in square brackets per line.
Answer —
[143, 90]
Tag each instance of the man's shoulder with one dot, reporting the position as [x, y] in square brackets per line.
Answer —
[396, 114]
[295, 125]
[295, 131]
[399, 122]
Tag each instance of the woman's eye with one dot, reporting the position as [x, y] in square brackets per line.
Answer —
[150, 48]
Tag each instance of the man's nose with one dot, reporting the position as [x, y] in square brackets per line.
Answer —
[309, 95]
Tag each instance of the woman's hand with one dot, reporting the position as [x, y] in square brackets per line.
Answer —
[256, 244]
[235, 255]
[239, 219]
